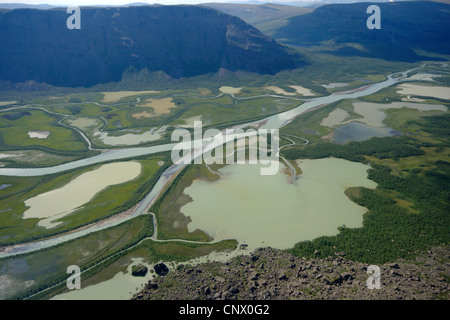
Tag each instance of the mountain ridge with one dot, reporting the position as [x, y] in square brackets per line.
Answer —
[405, 27]
[181, 41]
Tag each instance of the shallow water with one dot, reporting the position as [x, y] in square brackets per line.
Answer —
[335, 85]
[355, 131]
[374, 115]
[120, 287]
[269, 211]
[334, 118]
[427, 91]
[130, 139]
[4, 186]
[271, 122]
[123, 285]
[38, 134]
[60, 202]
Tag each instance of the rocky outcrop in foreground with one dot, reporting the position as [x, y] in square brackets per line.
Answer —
[139, 270]
[273, 274]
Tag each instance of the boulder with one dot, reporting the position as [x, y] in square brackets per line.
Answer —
[161, 269]
[139, 270]
[336, 279]
[151, 286]
[346, 276]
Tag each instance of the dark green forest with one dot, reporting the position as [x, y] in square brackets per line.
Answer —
[382, 148]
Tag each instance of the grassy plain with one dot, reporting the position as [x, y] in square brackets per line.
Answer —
[14, 127]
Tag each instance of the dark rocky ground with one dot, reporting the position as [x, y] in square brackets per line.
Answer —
[273, 274]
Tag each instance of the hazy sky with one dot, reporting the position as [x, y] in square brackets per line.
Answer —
[120, 2]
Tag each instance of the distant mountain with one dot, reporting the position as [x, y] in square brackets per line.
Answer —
[405, 26]
[255, 14]
[10, 6]
[24, 5]
[319, 3]
[181, 41]
[265, 17]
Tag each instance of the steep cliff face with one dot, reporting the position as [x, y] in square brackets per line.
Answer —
[181, 41]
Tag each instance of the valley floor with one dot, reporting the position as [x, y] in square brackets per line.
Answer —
[407, 213]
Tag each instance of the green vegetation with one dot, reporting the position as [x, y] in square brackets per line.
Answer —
[225, 111]
[36, 158]
[108, 251]
[437, 125]
[389, 231]
[48, 267]
[14, 128]
[408, 211]
[127, 117]
[389, 147]
[180, 251]
[172, 224]
[110, 201]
